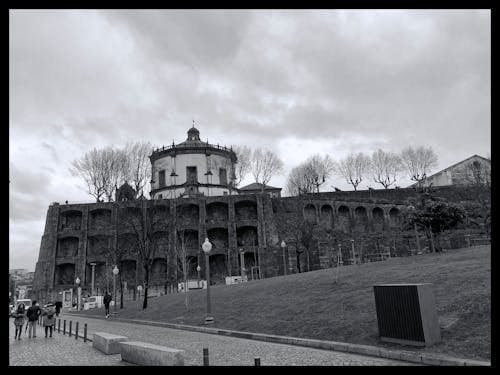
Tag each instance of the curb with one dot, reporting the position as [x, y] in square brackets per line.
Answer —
[374, 351]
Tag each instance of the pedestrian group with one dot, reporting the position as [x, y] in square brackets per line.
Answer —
[32, 315]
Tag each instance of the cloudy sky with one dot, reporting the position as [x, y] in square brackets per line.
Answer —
[296, 82]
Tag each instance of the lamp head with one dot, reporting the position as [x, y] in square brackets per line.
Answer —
[283, 244]
[77, 281]
[207, 246]
[198, 268]
[115, 271]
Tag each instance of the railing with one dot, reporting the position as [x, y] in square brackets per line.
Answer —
[192, 145]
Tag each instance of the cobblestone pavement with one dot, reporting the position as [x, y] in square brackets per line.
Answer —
[56, 351]
[230, 351]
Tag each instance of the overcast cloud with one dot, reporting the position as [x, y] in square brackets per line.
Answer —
[296, 82]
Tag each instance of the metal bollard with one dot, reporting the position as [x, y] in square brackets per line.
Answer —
[257, 361]
[85, 333]
[59, 326]
[76, 331]
[64, 327]
[70, 324]
[205, 357]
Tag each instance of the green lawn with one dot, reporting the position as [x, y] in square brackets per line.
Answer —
[312, 305]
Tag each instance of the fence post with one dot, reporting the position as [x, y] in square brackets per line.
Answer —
[64, 327]
[257, 361]
[85, 333]
[70, 324]
[59, 326]
[76, 331]
[467, 238]
[205, 357]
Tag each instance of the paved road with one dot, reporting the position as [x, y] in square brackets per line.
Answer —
[230, 351]
[56, 351]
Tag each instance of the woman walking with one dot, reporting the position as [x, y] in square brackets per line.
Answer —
[19, 320]
[49, 321]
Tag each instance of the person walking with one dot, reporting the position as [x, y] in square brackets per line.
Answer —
[107, 300]
[19, 318]
[58, 307]
[33, 313]
[49, 321]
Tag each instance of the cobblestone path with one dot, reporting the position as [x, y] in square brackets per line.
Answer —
[56, 351]
[230, 351]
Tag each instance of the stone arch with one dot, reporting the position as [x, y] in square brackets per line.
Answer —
[65, 274]
[127, 244]
[378, 219]
[191, 240]
[188, 214]
[159, 213]
[218, 268]
[100, 279]
[129, 271]
[67, 247]
[158, 271]
[361, 218]
[100, 218]
[71, 219]
[219, 239]
[343, 218]
[246, 210]
[326, 216]
[310, 213]
[217, 212]
[98, 246]
[246, 236]
[394, 217]
[160, 241]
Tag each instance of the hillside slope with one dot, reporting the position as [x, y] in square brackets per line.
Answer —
[312, 305]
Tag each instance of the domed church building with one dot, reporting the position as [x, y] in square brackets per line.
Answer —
[192, 168]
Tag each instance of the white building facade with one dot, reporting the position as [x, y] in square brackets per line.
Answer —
[192, 168]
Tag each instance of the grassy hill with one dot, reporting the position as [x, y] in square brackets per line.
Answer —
[312, 305]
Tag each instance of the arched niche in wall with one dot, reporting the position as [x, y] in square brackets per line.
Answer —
[326, 216]
[310, 213]
[378, 219]
[343, 218]
[361, 218]
[246, 236]
[98, 246]
[219, 239]
[246, 210]
[190, 238]
[100, 218]
[394, 217]
[70, 219]
[217, 212]
[65, 274]
[188, 214]
[67, 247]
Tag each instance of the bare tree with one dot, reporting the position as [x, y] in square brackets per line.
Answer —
[143, 224]
[418, 162]
[115, 167]
[310, 175]
[353, 168]
[92, 168]
[243, 164]
[138, 165]
[385, 166]
[183, 262]
[265, 164]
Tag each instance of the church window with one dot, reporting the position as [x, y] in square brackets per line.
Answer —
[161, 178]
[222, 176]
[191, 174]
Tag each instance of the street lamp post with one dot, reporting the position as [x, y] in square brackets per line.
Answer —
[283, 246]
[242, 261]
[198, 269]
[115, 273]
[207, 246]
[93, 277]
[79, 289]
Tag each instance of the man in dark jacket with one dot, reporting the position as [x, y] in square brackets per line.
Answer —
[32, 314]
[107, 300]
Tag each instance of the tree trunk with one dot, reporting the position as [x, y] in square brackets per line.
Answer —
[121, 292]
[146, 284]
[298, 263]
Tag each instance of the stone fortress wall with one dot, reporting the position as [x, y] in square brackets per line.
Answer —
[79, 234]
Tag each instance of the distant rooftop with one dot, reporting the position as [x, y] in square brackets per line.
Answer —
[258, 186]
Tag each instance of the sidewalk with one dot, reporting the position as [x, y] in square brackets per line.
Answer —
[56, 351]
